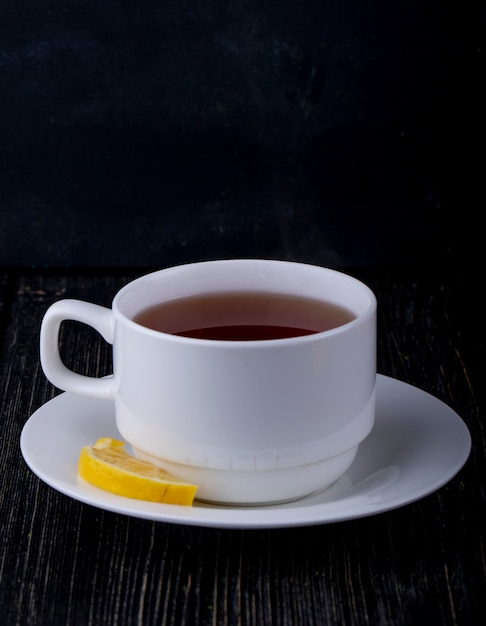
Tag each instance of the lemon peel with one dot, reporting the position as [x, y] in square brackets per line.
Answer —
[107, 465]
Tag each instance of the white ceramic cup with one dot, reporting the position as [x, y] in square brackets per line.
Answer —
[249, 422]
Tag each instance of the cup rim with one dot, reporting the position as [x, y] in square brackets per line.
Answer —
[144, 279]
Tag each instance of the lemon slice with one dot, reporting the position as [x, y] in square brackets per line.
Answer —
[107, 465]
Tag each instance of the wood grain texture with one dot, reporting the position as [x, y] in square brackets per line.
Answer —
[68, 564]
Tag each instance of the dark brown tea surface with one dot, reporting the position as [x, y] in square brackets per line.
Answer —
[243, 316]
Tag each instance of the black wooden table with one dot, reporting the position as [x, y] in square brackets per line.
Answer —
[63, 562]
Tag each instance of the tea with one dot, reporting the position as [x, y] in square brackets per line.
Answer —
[243, 316]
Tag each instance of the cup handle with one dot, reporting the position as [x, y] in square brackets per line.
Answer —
[101, 319]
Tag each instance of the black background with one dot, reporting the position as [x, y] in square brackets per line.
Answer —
[151, 133]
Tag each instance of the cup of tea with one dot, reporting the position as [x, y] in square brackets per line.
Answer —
[253, 379]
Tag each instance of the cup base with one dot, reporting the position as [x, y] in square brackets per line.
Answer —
[246, 488]
[251, 505]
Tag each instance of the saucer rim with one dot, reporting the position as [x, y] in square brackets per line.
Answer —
[452, 446]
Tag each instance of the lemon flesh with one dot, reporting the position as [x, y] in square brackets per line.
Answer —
[107, 465]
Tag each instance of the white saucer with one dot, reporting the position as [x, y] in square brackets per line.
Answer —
[417, 445]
